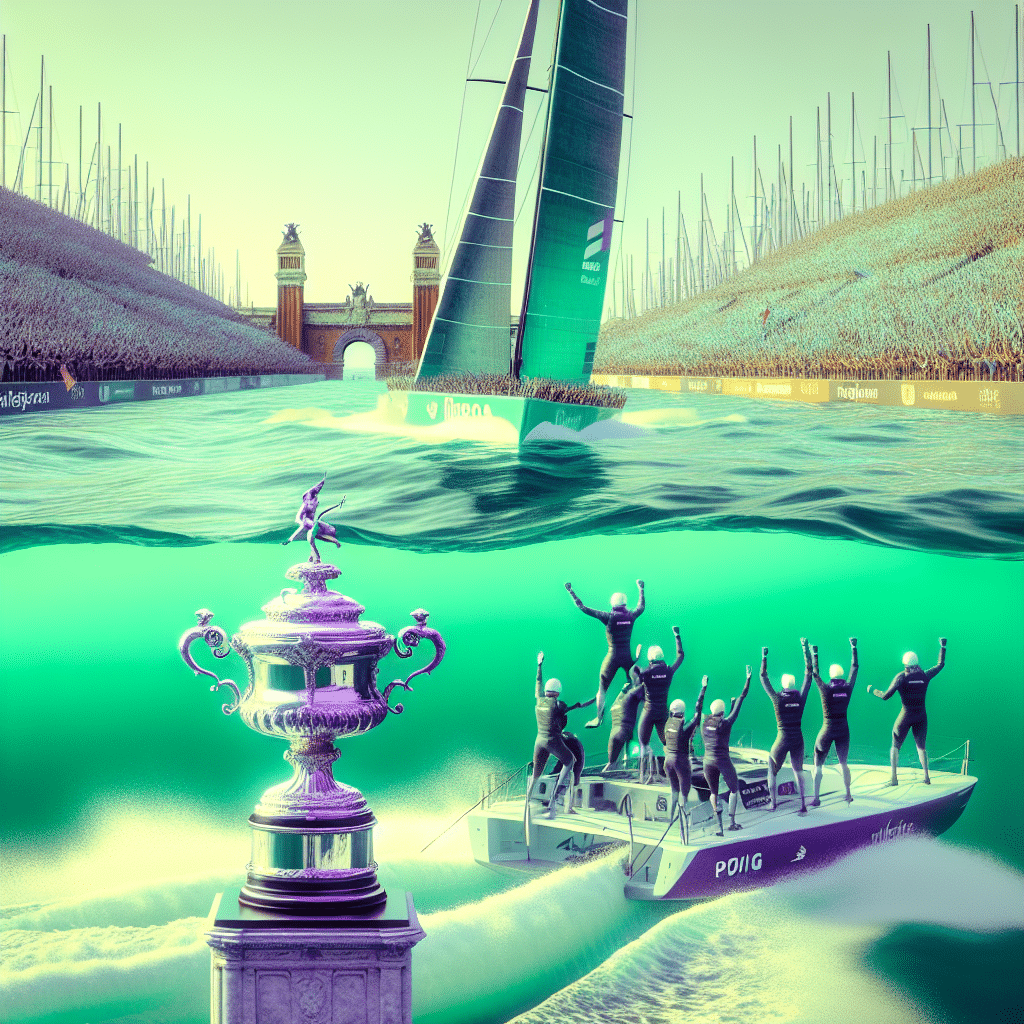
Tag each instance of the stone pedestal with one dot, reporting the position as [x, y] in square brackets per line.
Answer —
[272, 968]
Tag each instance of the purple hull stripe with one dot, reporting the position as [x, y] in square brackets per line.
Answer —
[756, 862]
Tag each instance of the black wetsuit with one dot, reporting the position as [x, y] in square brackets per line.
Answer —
[656, 680]
[619, 631]
[552, 718]
[912, 684]
[715, 733]
[835, 700]
[677, 748]
[789, 710]
[624, 711]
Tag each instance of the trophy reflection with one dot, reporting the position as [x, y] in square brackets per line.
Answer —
[312, 666]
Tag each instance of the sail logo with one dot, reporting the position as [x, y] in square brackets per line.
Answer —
[599, 239]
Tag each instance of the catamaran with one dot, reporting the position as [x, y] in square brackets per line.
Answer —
[662, 862]
[569, 249]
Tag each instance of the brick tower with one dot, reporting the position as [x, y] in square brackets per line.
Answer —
[426, 278]
[291, 276]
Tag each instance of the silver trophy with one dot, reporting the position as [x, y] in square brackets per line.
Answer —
[312, 679]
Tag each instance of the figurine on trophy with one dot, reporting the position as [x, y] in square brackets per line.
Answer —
[312, 667]
[310, 523]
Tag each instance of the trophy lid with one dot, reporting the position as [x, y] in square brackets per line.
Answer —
[314, 603]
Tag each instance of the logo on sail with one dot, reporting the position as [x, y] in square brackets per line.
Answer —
[599, 239]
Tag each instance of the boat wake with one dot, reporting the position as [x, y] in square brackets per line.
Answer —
[386, 419]
[796, 952]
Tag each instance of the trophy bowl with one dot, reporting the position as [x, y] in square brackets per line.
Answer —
[312, 667]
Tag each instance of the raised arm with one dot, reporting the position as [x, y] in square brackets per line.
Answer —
[764, 673]
[892, 687]
[579, 604]
[698, 708]
[853, 660]
[814, 660]
[808, 669]
[942, 660]
[739, 703]
[538, 691]
[679, 649]
[638, 610]
[581, 704]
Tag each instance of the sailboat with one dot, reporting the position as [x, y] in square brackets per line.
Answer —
[570, 247]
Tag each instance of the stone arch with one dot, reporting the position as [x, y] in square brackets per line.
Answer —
[372, 338]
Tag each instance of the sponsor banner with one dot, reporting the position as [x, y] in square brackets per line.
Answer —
[43, 397]
[1005, 397]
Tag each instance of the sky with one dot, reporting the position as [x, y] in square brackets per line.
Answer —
[343, 115]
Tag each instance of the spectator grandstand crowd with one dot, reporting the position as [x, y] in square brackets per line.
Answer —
[77, 298]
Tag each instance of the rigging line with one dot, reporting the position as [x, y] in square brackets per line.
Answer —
[483, 45]
[632, 103]
[504, 782]
[526, 193]
[458, 134]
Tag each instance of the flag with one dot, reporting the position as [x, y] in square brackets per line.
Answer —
[69, 381]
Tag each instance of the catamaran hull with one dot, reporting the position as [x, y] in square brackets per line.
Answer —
[522, 415]
[753, 863]
[770, 847]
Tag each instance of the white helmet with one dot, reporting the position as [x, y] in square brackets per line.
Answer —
[909, 659]
[678, 708]
[718, 707]
[618, 600]
[835, 672]
[655, 653]
[788, 681]
[552, 686]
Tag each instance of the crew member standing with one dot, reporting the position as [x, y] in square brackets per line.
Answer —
[624, 710]
[656, 680]
[678, 733]
[912, 685]
[789, 710]
[619, 629]
[835, 701]
[552, 718]
[718, 764]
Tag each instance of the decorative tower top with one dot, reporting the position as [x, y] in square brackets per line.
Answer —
[291, 259]
[426, 256]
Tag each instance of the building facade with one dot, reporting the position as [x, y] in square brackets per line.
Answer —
[397, 331]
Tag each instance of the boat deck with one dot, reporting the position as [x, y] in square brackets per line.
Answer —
[617, 810]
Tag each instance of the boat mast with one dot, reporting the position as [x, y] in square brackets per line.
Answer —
[517, 352]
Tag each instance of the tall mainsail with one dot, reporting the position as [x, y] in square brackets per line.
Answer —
[565, 283]
[470, 330]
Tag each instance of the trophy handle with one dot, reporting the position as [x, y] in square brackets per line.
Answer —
[410, 638]
[215, 638]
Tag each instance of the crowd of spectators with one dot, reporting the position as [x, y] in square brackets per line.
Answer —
[77, 298]
[503, 384]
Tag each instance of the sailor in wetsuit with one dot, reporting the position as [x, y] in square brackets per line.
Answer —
[619, 628]
[835, 700]
[624, 710]
[656, 680]
[911, 684]
[789, 710]
[717, 762]
[552, 718]
[678, 734]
